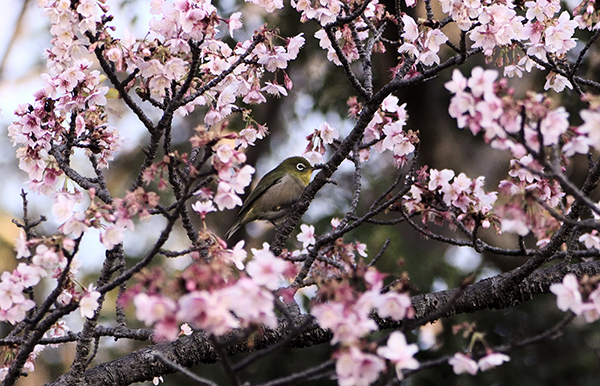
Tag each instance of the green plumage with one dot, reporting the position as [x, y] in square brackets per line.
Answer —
[275, 193]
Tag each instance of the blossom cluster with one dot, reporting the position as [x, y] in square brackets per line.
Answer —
[385, 131]
[10, 352]
[44, 257]
[348, 314]
[462, 363]
[68, 110]
[484, 105]
[526, 197]
[525, 127]
[166, 60]
[346, 37]
[499, 25]
[214, 296]
[582, 297]
[440, 193]
[423, 44]
[324, 135]
[113, 219]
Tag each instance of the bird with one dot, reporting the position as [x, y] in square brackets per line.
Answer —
[275, 193]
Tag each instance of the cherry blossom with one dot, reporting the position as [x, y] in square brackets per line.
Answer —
[356, 368]
[399, 353]
[88, 304]
[238, 255]
[307, 235]
[150, 309]
[208, 311]
[568, 296]
[559, 37]
[348, 323]
[462, 363]
[492, 359]
[203, 207]
[266, 269]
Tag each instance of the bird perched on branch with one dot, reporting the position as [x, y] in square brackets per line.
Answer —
[275, 193]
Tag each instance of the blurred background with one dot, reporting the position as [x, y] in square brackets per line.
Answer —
[320, 94]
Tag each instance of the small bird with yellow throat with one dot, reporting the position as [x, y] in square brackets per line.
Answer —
[275, 193]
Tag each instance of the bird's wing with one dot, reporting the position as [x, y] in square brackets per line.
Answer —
[256, 193]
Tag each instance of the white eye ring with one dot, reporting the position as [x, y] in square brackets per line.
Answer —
[300, 167]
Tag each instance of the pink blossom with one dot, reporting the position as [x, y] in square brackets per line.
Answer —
[266, 269]
[77, 224]
[294, 45]
[516, 225]
[590, 312]
[557, 82]
[541, 9]
[63, 206]
[462, 363]
[307, 235]
[434, 39]
[559, 38]
[567, 294]
[399, 353]
[274, 89]
[207, 311]
[237, 255]
[591, 127]
[590, 240]
[428, 335]
[226, 197]
[111, 236]
[325, 43]
[29, 275]
[348, 323]
[492, 359]
[157, 380]
[11, 291]
[553, 125]
[314, 157]
[522, 167]
[327, 133]
[21, 245]
[251, 303]
[458, 82]
[234, 22]
[57, 330]
[242, 179]
[481, 82]
[356, 368]
[273, 58]
[17, 312]
[246, 137]
[203, 207]
[393, 305]
[186, 329]
[440, 179]
[88, 304]
[254, 96]
[45, 257]
[151, 309]
[411, 29]
[175, 69]
[390, 104]
[268, 5]
[361, 249]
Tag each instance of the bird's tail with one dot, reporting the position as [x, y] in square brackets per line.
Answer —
[233, 229]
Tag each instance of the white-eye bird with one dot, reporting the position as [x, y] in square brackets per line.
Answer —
[275, 193]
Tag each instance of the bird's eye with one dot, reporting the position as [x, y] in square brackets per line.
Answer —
[300, 167]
